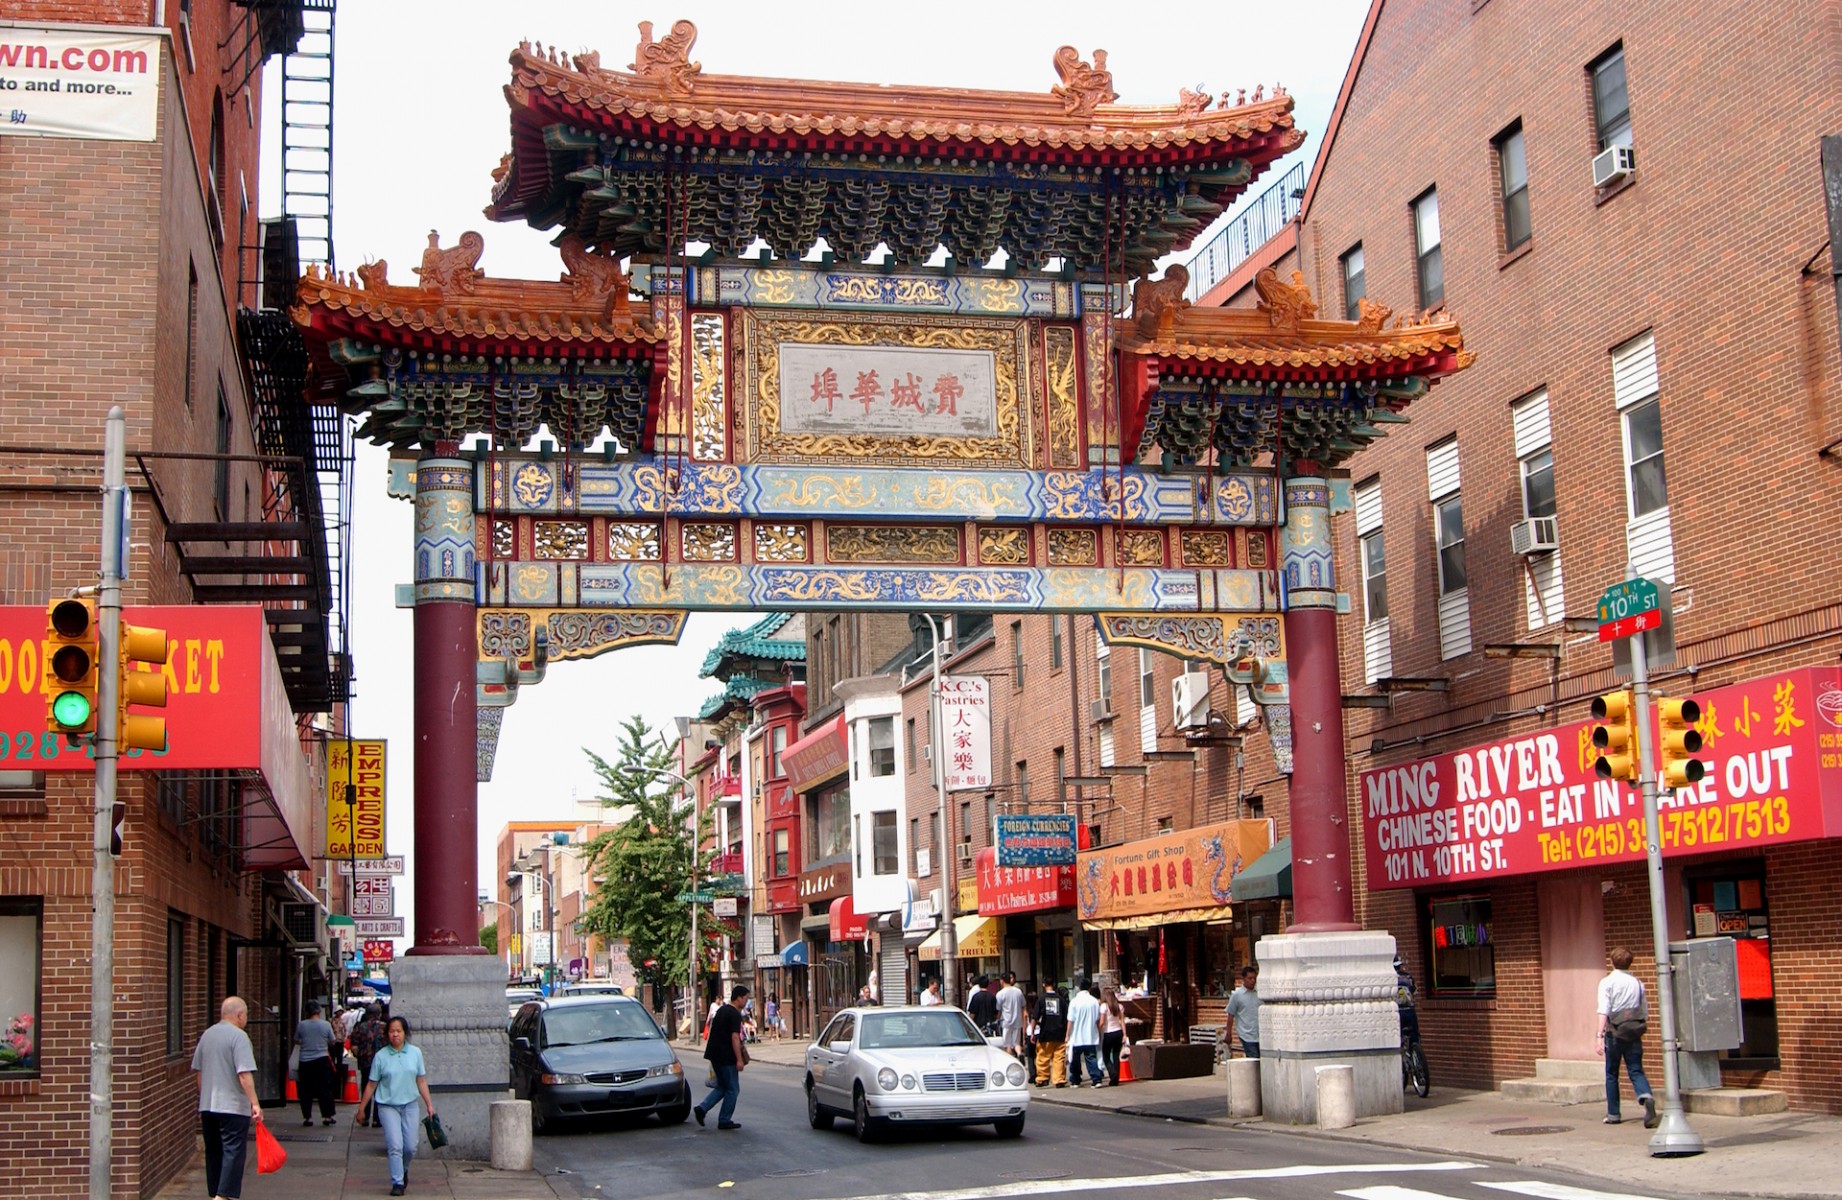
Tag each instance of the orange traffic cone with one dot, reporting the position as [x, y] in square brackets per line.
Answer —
[293, 1092]
[1125, 1068]
[351, 1088]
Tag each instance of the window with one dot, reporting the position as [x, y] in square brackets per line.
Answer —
[1544, 593]
[783, 853]
[1450, 522]
[969, 629]
[1353, 287]
[1461, 950]
[1103, 654]
[1513, 169]
[914, 842]
[215, 172]
[1538, 484]
[220, 487]
[1649, 490]
[175, 985]
[908, 744]
[1016, 655]
[1429, 264]
[191, 333]
[831, 825]
[1055, 643]
[1147, 685]
[965, 823]
[1166, 825]
[22, 785]
[1611, 102]
[882, 746]
[1023, 783]
[22, 929]
[886, 859]
[777, 745]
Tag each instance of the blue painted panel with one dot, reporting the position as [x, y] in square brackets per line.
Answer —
[1047, 840]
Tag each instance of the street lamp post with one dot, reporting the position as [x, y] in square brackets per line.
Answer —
[684, 785]
[949, 895]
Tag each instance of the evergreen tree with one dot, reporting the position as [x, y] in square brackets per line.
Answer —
[645, 860]
[489, 937]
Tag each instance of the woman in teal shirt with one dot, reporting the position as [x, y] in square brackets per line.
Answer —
[397, 1077]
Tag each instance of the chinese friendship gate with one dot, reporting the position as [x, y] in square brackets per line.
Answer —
[801, 431]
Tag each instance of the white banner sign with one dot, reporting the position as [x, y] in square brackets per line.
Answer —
[724, 906]
[540, 949]
[965, 714]
[892, 391]
[374, 906]
[79, 84]
[374, 866]
[378, 927]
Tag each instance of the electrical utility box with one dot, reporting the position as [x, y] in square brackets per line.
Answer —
[1707, 993]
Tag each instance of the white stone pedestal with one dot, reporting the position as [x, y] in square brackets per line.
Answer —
[455, 1005]
[1328, 999]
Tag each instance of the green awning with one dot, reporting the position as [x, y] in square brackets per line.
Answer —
[1268, 877]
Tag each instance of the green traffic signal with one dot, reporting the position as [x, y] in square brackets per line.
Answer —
[71, 709]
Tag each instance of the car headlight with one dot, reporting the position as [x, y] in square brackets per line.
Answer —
[1013, 1074]
[908, 1082]
[997, 1079]
[553, 1080]
[886, 1079]
[673, 1067]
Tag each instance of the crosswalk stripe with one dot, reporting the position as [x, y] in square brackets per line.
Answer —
[1388, 1191]
[1560, 1191]
[1045, 1187]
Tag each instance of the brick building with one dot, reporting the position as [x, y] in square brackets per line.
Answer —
[130, 251]
[1626, 211]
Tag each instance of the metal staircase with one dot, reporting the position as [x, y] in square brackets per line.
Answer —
[307, 132]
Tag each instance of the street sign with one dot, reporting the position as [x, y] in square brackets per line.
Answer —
[696, 897]
[379, 927]
[374, 906]
[724, 906]
[1629, 608]
[374, 866]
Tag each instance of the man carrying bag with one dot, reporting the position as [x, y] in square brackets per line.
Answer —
[1622, 1024]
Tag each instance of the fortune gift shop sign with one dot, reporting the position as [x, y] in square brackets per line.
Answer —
[1773, 749]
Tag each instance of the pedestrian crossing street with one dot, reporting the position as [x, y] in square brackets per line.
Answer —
[1454, 1180]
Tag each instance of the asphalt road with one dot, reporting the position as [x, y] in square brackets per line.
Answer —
[1063, 1152]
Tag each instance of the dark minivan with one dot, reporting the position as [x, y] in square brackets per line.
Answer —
[585, 1056]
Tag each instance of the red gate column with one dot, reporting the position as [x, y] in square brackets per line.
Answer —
[1321, 878]
[446, 824]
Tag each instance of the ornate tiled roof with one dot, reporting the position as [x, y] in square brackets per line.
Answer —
[737, 689]
[756, 641]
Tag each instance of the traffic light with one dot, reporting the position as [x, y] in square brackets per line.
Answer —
[1681, 742]
[70, 705]
[1615, 737]
[138, 731]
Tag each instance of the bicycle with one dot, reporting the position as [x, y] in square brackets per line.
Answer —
[1413, 1057]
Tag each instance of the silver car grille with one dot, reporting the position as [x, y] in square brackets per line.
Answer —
[615, 1076]
[961, 1081]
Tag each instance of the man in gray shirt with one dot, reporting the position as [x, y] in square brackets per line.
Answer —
[1010, 1014]
[226, 1066]
[1244, 1012]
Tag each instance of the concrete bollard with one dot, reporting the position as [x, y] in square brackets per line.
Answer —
[511, 1135]
[1243, 1087]
[1336, 1096]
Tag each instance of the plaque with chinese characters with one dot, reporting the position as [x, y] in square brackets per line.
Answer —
[895, 391]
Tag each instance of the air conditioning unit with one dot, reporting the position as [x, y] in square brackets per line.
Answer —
[927, 752]
[1099, 711]
[1189, 700]
[965, 854]
[1534, 535]
[1613, 164]
[299, 922]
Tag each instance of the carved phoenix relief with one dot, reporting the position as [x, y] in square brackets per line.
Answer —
[1084, 86]
[667, 60]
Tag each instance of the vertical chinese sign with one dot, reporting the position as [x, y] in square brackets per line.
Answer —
[965, 714]
[355, 830]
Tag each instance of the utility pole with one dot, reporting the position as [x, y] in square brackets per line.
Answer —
[102, 872]
[949, 882]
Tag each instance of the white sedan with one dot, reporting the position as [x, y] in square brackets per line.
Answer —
[905, 1066]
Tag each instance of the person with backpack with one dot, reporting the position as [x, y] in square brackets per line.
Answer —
[1051, 1016]
[1622, 1024]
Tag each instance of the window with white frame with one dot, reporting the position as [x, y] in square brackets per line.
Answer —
[777, 745]
[1103, 653]
[1611, 99]
[1147, 702]
[885, 853]
[1649, 545]
[1377, 651]
[882, 746]
[1429, 260]
[1354, 286]
[1442, 482]
[1543, 593]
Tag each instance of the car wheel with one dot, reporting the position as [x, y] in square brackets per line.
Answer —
[866, 1128]
[678, 1113]
[1009, 1127]
[541, 1123]
[817, 1115]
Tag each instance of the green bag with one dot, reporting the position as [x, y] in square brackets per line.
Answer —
[438, 1137]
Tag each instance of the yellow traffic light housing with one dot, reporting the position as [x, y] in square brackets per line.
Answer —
[1680, 743]
[141, 647]
[71, 679]
[1615, 737]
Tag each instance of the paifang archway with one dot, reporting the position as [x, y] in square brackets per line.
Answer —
[801, 431]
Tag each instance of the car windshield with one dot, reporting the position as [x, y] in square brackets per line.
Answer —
[902, 1030]
[577, 1024]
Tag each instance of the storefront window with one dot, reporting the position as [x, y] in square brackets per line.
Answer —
[1463, 951]
[831, 824]
[1225, 950]
[21, 936]
[1729, 900]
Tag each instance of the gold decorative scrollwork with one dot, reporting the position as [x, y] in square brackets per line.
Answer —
[1207, 548]
[1259, 549]
[704, 541]
[780, 543]
[707, 391]
[891, 544]
[564, 540]
[1140, 548]
[1004, 546]
[1073, 548]
[633, 541]
[1064, 397]
[504, 539]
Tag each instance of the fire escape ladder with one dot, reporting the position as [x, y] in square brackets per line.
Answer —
[307, 132]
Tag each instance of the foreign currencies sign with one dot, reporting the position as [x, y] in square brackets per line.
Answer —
[1048, 840]
[1773, 749]
[965, 718]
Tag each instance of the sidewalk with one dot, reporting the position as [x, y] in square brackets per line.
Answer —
[344, 1162]
[1783, 1156]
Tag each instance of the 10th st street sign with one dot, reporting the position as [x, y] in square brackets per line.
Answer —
[1629, 608]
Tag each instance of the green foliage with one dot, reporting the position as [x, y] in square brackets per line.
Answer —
[489, 937]
[646, 859]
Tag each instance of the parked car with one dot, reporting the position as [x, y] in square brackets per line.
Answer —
[581, 1056]
[588, 987]
[883, 1067]
[517, 997]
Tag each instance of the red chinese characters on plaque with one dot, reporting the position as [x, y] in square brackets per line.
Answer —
[1004, 890]
[888, 391]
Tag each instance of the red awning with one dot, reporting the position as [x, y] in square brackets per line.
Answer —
[817, 757]
[846, 925]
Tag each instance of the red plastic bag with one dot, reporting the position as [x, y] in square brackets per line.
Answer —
[271, 1155]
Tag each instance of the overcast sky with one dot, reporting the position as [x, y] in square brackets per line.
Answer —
[420, 121]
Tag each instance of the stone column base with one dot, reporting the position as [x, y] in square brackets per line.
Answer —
[1328, 999]
[455, 1005]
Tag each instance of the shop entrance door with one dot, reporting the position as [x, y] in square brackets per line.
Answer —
[257, 975]
[1572, 915]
